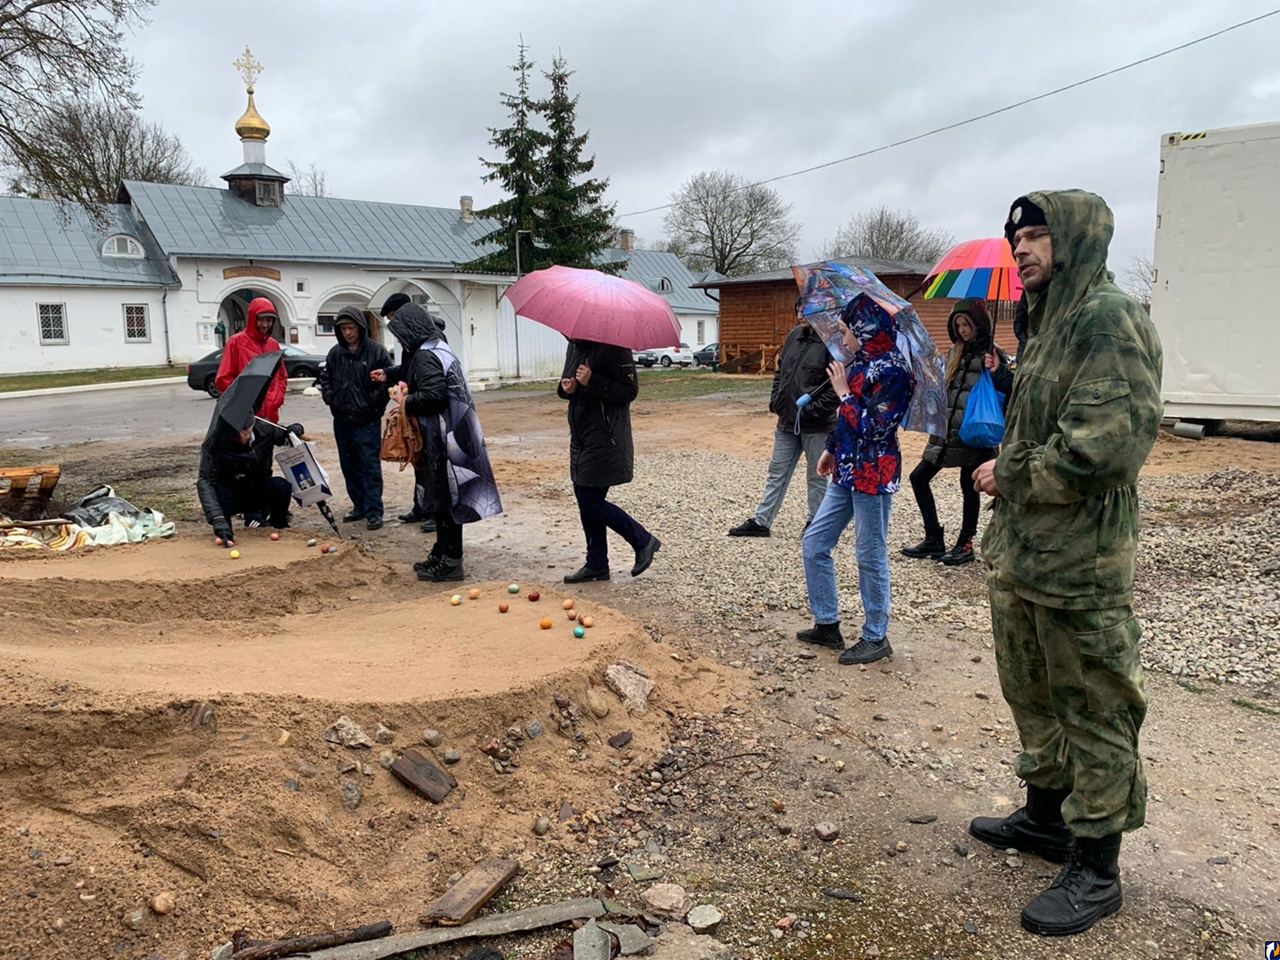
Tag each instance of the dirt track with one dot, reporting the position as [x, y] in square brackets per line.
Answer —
[103, 656]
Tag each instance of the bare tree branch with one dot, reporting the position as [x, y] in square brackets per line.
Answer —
[308, 182]
[720, 222]
[90, 147]
[887, 235]
[1137, 277]
[54, 52]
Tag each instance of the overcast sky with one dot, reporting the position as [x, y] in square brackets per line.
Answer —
[394, 101]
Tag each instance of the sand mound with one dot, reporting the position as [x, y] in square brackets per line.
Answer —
[112, 789]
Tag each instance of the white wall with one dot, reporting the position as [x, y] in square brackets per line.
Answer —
[94, 319]
[541, 349]
[689, 329]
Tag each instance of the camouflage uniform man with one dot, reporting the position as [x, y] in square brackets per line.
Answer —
[1060, 553]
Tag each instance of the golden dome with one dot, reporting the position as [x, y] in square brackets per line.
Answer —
[251, 126]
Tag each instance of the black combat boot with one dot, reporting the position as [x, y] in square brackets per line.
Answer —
[823, 635]
[962, 552]
[932, 547]
[1086, 890]
[1035, 828]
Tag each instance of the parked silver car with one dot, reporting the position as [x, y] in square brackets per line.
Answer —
[665, 356]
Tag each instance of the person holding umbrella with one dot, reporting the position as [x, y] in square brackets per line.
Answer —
[865, 465]
[236, 456]
[453, 477]
[972, 351]
[599, 381]
[253, 340]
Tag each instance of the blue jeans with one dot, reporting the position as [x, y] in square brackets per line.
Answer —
[787, 448]
[870, 515]
[598, 517]
[359, 454]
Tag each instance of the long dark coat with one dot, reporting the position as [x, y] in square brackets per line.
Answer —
[600, 448]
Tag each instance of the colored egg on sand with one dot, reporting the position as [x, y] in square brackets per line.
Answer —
[513, 588]
[579, 632]
[503, 608]
[455, 600]
[568, 604]
[546, 623]
[473, 593]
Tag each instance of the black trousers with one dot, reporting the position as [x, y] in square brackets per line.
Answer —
[448, 536]
[266, 502]
[359, 448]
[598, 517]
[922, 476]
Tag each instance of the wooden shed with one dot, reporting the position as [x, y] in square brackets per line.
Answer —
[758, 311]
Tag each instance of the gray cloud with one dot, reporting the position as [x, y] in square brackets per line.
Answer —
[393, 98]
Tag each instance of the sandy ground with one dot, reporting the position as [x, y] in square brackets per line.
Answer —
[112, 790]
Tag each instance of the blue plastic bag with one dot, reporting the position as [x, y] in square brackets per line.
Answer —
[983, 423]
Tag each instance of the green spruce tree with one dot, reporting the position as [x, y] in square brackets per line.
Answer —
[521, 178]
[573, 223]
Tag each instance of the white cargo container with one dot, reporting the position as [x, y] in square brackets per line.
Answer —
[1217, 273]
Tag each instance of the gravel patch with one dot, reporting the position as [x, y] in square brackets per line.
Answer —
[1207, 592]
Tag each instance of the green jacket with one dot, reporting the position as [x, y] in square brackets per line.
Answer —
[1080, 422]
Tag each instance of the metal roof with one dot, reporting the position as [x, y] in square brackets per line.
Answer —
[213, 222]
[256, 170]
[650, 267]
[45, 243]
[886, 268]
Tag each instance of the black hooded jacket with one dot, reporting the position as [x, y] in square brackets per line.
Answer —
[421, 371]
[344, 382]
[601, 453]
[802, 368]
[226, 462]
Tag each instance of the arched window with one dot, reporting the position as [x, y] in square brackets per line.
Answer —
[122, 245]
[664, 285]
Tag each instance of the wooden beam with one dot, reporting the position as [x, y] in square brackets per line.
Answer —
[464, 898]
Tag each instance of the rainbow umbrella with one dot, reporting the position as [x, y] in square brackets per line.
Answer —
[976, 268]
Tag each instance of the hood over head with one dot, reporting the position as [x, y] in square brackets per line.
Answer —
[975, 308]
[1081, 225]
[870, 323]
[258, 306]
[412, 326]
[353, 315]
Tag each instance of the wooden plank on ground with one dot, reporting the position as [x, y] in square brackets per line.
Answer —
[470, 893]
[534, 918]
[418, 773]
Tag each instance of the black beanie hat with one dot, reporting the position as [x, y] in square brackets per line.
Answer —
[1023, 213]
[394, 303]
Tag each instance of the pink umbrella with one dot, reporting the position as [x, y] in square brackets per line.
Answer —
[590, 305]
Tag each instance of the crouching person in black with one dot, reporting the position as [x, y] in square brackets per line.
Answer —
[235, 476]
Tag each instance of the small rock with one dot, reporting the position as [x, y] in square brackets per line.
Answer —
[840, 893]
[1219, 861]
[135, 919]
[629, 682]
[163, 903]
[452, 756]
[970, 927]
[307, 769]
[534, 729]
[284, 739]
[597, 703]
[620, 740]
[491, 746]
[432, 738]
[541, 826]
[561, 700]
[881, 717]
[704, 918]
[62, 862]
[386, 759]
[901, 846]
[352, 793]
[453, 879]
[348, 766]
[292, 784]
[515, 734]
[347, 733]
[669, 900]
[384, 734]
[961, 849]
[826, 831]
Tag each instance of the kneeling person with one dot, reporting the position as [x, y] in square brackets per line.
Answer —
[235, 476]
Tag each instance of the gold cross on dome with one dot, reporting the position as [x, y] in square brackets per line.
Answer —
[249, 69]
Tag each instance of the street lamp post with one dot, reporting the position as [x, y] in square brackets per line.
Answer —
[516, 316]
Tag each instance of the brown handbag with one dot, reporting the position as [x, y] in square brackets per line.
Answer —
[401, 438]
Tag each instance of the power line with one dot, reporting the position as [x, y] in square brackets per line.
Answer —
[983, 116]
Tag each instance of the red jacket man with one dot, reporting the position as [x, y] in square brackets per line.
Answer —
[254, 339]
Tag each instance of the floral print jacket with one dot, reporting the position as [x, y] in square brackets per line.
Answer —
[865, 439]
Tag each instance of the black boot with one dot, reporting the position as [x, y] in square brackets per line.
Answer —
[1087, 889]
[962, 552]
[1036, 828]
[823, 635]
[932, 547]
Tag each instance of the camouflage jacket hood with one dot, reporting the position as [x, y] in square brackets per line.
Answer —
[1081, 419]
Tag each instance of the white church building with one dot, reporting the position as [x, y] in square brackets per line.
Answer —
[171, 272]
